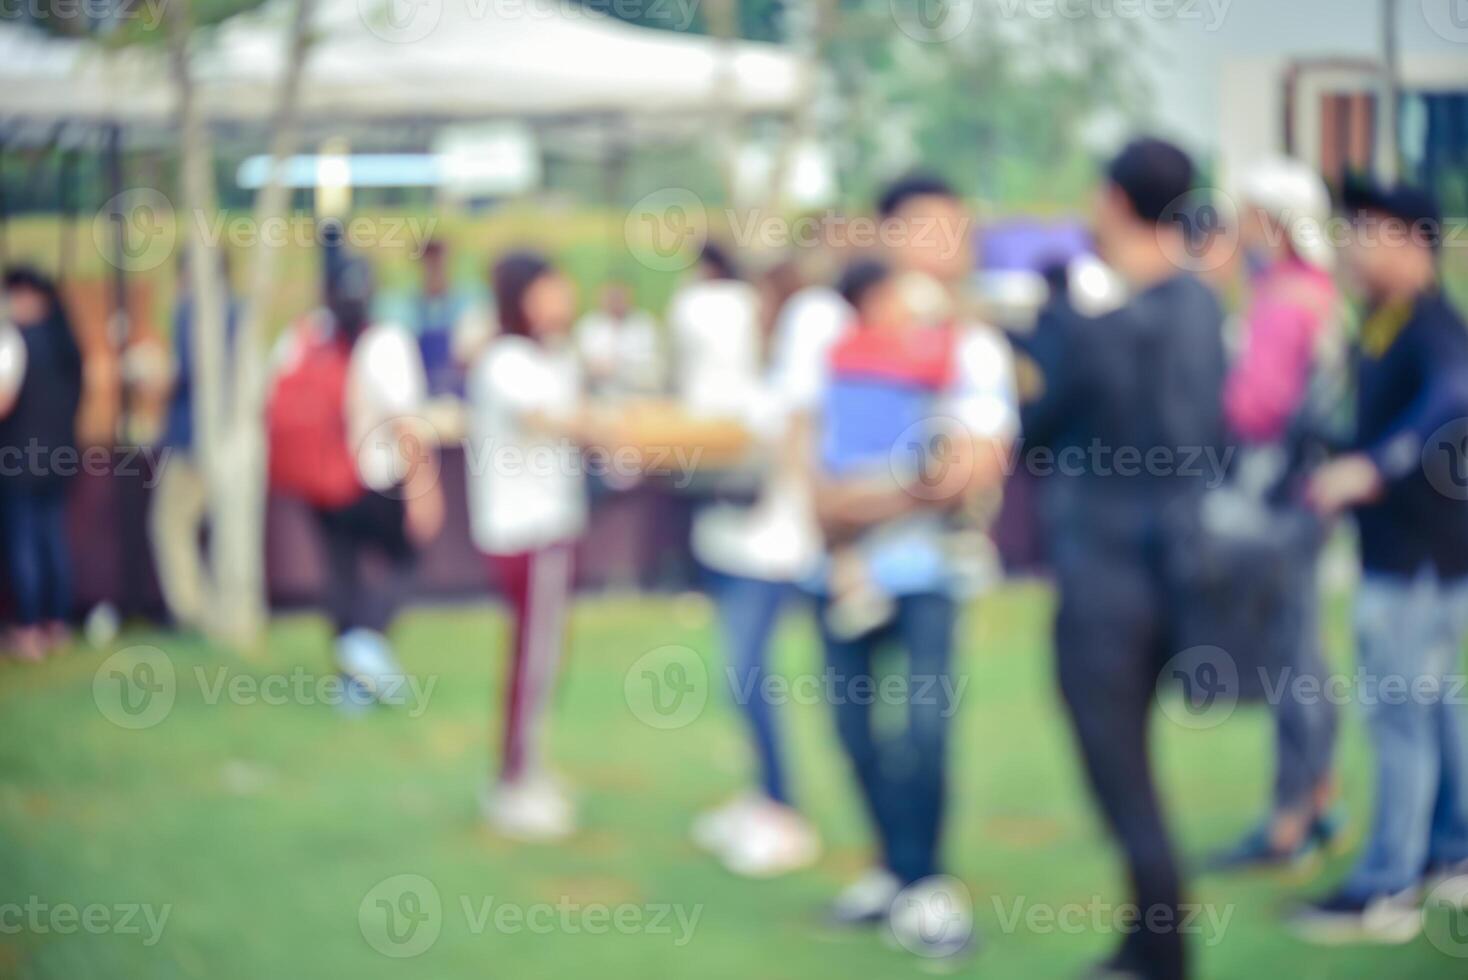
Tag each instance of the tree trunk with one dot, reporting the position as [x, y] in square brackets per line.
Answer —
[229, 395]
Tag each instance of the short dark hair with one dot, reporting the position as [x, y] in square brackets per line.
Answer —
[512, 278]
[905, 188]
[1415, 207]
[1153, 175]
[859, 278]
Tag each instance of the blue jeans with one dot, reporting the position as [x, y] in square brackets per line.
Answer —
[36, 553]
[1410, 633]
[901, 770]
[749, 610]
[1305, 728]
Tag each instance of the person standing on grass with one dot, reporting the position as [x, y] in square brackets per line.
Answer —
[1405, 479]
[345, 436]
[1149, 378]
[902, 774]
[37, 434]
[753, 553]
[1292, 309]
[527, 508]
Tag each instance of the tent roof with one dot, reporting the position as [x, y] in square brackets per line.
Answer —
[419, 59]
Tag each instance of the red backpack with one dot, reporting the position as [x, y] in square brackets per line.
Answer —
[306, 425]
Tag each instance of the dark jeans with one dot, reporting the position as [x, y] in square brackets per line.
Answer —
[1112, 640]
[900, 769]
[373, 522]
[749, 610]
[36, 553]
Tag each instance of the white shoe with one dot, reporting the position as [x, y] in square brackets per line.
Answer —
[867, 900]
[1449, 886]
[934, 918]
[530, 809]
[773, 840]
[715, 830]
[365, 657]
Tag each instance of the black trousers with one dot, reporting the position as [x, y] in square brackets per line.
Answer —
[358, 597]
[1112, 640]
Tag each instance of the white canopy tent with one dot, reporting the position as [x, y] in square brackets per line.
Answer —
[444, 60]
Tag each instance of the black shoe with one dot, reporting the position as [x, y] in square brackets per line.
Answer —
[1329, 830]
[1344, 919]
[1257, 852]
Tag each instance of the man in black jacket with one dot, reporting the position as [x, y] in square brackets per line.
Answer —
[1131, 409]
[1405, 480]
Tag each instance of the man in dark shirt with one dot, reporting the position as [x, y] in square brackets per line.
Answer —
[1405, 481]
[1131, 409]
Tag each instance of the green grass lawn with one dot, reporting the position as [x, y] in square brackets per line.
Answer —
[264, 830]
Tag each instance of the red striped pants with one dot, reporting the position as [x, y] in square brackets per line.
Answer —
[537, 588]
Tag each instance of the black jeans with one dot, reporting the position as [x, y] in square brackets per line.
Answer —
[1112, 640]
[373, 522]
[901, 770]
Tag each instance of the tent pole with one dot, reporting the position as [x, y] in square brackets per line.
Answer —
[614, 188]
[4, 209]
[119, 329]
[66, 204]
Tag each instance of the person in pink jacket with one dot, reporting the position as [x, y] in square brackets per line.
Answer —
[1288, 320]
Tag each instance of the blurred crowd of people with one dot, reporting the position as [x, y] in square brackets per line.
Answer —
[880, 418]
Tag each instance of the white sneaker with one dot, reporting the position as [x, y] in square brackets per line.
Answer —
[365, 657]
[714, 830]
[867, 900]
[1449, 885]
[934, 918]
[1343, 919]
[773, 840]
[530, 809]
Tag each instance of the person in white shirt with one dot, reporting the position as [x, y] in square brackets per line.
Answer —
[527, 508]
[401, 507]
[753, 555]
[713, 321]
[618, 347]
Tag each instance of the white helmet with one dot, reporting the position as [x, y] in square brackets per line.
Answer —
[1293, 194]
